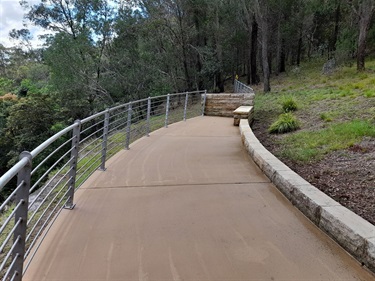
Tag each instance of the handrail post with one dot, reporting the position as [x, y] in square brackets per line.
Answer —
[148, 129]
[128, 125]
[73, 166]
[186, 103]
[204, 102]
[167, 111]
[105, 140]
[24, 178]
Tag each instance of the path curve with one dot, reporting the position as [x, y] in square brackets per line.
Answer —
[186, 204]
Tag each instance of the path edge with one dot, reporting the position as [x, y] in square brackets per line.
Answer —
[352, 232]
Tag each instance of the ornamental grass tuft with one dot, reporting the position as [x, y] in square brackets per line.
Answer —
[286, 122]
[289, 104]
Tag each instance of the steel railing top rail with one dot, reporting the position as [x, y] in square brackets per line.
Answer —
[52, 139]
[12, 172]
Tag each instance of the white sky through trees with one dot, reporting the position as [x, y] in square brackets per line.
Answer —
[12, 16]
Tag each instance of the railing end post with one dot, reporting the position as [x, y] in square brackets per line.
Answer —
[105, 140]
[148, 117]
[167, 111]
[22, 195]
[186, 104]
[128, 125]
[204, 102]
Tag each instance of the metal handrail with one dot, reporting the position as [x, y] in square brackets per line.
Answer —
[65, 161]
[240, 87]
[12, 172]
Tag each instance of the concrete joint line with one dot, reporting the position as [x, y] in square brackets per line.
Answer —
[352, 232]
[172, 185]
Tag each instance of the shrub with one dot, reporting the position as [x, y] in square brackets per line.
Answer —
[289, 104]
[286, 122]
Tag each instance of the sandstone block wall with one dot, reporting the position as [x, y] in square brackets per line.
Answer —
[224, 104]
[353, 233]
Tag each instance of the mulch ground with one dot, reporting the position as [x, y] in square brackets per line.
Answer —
[348, 176]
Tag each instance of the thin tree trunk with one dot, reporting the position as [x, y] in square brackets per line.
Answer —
[337, 25]
[261, 9]
[299, 49]
[282, 64]
[219, 52]
[266, 68]
[248, 72]
[366, 11]
[200, 43]
[278, 49]
[254, 49]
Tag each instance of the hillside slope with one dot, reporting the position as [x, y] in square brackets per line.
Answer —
[334, 149]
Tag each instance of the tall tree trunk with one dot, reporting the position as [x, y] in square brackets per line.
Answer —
[299, 49]
[336, 31]
[266, 68]
[248, 24]
[219, 52]
[248, 72]
[200, 43]
[270, 61]
[254, 49]
[261, 9]
[252, 30]
[281, 65]
[278, 49]
[183, 39]
[366, 11]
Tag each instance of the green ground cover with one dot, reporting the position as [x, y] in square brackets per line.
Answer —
[335, 111]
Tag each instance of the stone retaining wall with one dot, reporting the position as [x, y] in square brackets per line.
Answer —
[225, 104]
[353, 233]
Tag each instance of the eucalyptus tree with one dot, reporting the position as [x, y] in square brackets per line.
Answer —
[364, 10]
[82, 30]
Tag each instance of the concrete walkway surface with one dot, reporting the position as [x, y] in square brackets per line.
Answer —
[188, 204]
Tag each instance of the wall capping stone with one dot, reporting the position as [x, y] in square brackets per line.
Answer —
[352, 232]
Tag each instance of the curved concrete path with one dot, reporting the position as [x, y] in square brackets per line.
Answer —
[187, 204]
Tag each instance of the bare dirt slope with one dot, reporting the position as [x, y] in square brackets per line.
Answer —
[187, 204]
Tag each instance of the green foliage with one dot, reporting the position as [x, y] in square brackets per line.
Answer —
[289, 104]
[6, 101]
[369, 93]
[286, 122]
[308, 146]
[6, 86]
[29, 123]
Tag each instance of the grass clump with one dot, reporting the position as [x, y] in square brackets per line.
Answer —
[326, 117]
[369, 93]
[289, 104]
[308, 146]
[286, 122]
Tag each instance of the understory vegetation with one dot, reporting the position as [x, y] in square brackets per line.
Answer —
[336, 110]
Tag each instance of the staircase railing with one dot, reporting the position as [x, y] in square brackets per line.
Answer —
[44, 180]
[240, 87]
